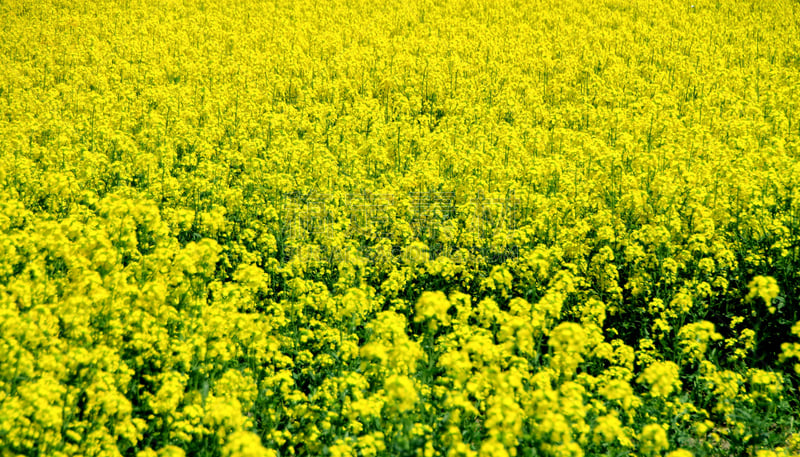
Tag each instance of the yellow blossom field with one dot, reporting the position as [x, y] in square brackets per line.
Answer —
[451, 228]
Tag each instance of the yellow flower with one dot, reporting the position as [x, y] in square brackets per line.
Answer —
[680, 453]
[342, 226]
[170, 393]
[663, 378]
[695, 337]
[771, 382]
[401, 394]
[568, 342]
[608, 429]
[620, 391]
[245, 444]
[767, 453]
[792, 350]
[433, 307]
[653, 439]
[493, 448]
[341, 449]
[765, 287]
[371, 444]
[171, 451]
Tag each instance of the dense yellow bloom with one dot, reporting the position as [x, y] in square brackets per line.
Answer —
[663, 378]
[620, 392]
[401, 393]
[609, 429]
[725, 384]
[765, 287]
[680, 453]
[568, 341]
[432, 228]
[371, 444]
[653, 439]
[792, 350]
[171, 451]
[434, 307]
[341, 449]
[695, 338]
[245, 444]
[504, 420]
[170, 394]
[771, 382]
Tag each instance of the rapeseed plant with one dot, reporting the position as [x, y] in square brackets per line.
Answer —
[416, 228]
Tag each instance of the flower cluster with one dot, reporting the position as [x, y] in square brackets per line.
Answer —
[413, 228]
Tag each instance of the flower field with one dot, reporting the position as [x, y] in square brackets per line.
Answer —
[415, 228]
